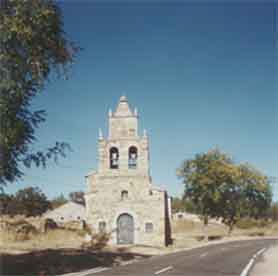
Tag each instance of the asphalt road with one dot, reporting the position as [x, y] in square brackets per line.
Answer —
[227, 259]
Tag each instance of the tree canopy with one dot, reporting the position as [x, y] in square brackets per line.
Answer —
[77, 197]
[30, 201]
[273, 212]
[33, 44]
[58, 201]
[220, 188]
[182, 205]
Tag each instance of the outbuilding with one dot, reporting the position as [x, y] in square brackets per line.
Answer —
[69, 211]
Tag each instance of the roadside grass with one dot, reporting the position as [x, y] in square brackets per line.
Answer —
[192, 228]
[60, 251]
[268, 230]
[56, 238]
[188, 233]
[57, 251]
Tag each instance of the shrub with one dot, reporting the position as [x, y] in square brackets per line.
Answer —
[48, 224]
[247, 223]
[214, 237]
[25, 232]
[74, 225]
[98, 241]
[200, 237]
[257, 233]
[210, 237]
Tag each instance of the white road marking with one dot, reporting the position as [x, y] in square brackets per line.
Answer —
[97, 271]
[89, 271]
[129, 262]
[259, 252]
[247, 268]
[163, 270]
[204, 255]
[249, 265]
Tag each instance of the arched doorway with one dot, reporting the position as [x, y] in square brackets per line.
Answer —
[125, 229]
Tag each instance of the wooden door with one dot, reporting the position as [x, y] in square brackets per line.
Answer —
[125, 229]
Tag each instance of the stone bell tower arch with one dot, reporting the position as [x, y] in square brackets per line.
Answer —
[124, 151]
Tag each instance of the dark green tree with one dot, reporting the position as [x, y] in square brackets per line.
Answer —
[219, 188]
[177, 205]
[257, 191]
[247, 195]
[58, 201]
[203, 177]
[33, 44]
[183, 205]
[77, 197]
[273, 212]
[5, 200]
[31, 201]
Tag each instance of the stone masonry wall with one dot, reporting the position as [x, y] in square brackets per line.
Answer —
[143, 204]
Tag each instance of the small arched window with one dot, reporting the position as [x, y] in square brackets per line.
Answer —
[102, 227]
[148, 227]
[114, 158]
[132, 157]
[124, 195]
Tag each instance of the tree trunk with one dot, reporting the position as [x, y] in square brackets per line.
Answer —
[205, 228]
[231, 227]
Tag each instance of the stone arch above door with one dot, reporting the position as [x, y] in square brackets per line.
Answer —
[125, 229]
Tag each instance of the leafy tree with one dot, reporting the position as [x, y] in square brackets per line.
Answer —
[12, 207]
[231, 204]
[77, 197]
[273, 212]
[219, 188]
[32, 45]
[248, 194]
[58, 201]
[183, 205]
[5, 200]
[8, 204]
[31, 201]
[177, 205]
[257, 192]
[202, 177]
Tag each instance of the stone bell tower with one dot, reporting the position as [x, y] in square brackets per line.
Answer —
[121, 200]
[129, 153]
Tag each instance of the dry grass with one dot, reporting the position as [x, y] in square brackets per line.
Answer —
[60, 250]
[57, 238]
[56, 251]
[187, 233]
[191, 228]
[269, 230]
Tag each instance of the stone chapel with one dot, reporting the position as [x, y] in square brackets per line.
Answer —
[121, 199]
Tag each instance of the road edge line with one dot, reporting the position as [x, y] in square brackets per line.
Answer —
[251, 262]
[163, 270]
[86, 272]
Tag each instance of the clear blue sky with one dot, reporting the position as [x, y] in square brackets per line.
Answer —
[201, 75]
